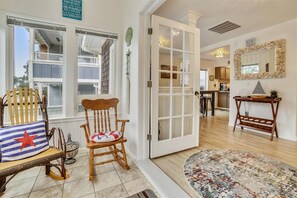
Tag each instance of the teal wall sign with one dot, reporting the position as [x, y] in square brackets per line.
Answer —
[72, 9]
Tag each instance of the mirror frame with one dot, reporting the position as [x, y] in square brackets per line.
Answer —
[280, 59]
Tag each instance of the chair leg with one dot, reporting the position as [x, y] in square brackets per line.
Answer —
[91, 165]
[63, 169]
[114, 153]
[47, 169]
[126, 166]
[206, 107]
[2, 185]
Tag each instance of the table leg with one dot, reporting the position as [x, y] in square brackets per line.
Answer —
[213, 103]
[274, 114]
[238, 113]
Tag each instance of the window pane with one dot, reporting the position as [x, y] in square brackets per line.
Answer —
[21, 57]
[250, 69]
[41, 68]
[203, 79]
[96, 57]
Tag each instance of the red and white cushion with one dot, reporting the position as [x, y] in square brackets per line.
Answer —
[107, 136]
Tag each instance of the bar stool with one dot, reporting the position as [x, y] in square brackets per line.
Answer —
[204, 104]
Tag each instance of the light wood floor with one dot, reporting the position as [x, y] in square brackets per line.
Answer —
[216, 134]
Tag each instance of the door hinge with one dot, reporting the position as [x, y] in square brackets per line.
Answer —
[150, 31]
[149, 83]
[149, 137]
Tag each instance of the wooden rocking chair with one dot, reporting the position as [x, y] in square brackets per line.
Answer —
[23, 106]
[101, 111]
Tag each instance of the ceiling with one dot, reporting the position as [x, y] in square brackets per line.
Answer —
[251, 15]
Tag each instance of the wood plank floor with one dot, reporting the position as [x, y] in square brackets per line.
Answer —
[216, 134]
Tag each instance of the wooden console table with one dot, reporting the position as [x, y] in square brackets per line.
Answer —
[265, 125]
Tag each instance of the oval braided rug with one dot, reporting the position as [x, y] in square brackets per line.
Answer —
[230, 173]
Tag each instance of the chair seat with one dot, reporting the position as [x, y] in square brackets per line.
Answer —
[93, 145]
[9, 168]
[107, 136]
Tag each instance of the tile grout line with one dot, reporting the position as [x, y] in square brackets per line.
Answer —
[120, 179]
[34, 182]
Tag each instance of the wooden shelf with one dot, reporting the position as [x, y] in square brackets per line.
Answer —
[263, 128]
[256, 120]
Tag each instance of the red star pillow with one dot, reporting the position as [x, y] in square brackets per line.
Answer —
[22, 141]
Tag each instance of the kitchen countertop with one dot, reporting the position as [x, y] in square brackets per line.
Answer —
[224, 91]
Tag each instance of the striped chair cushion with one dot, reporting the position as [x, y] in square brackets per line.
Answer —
[22, 141]
[107, 136]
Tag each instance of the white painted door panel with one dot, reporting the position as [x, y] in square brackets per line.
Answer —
[175, 77]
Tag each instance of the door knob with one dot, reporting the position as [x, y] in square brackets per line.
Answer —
[197, 93]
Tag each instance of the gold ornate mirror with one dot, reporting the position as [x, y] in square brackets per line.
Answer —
[261, 61]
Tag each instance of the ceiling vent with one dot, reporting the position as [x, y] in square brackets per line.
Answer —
[224, 27]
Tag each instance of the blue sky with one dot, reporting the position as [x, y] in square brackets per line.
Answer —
[21, 50]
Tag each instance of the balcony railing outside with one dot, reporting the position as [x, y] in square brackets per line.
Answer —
[49, 66]
[52, 57]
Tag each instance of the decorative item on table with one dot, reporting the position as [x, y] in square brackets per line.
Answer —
[71, 150]
[273, 94]
[259, 91]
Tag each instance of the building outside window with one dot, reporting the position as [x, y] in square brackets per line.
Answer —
[96, 63]
[38, 60]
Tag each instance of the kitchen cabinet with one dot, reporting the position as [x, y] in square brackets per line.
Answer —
[222, 73]
[223, 99]
[227, 73]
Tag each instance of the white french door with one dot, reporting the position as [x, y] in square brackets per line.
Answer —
[175, 78]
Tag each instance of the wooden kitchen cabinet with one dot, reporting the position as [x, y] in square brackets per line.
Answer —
[222, 73]
[224, 99]
[227, 73]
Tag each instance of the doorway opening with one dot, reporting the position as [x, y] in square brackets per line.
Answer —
[216, 63]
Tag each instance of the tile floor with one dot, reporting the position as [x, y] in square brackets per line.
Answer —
[110, 181]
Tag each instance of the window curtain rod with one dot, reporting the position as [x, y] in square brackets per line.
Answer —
[34, 24]
[95, 33]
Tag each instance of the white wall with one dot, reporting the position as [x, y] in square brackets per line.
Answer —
[136, 128]
[285, 86]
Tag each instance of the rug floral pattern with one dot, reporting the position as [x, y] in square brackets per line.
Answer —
[230, 173]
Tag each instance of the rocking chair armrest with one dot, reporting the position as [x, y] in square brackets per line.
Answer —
[87, 132]
[123, 125]
[61, 143]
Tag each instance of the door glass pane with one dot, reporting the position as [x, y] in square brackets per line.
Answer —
[189, 42]
[164, 56]
[164, 81]
[177, 105]
[177, 38]
[163, 129]
[164, 36]
[188, 125]
[177, 60]
[176, 127]
[188, 69]
[188, 105]
[164, 75]
[164, 106]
